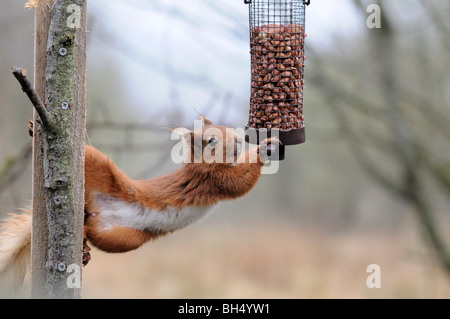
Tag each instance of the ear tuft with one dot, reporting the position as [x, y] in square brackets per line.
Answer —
[181, 131]
[205, 120]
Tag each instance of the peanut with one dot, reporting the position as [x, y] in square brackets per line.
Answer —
[277, 55]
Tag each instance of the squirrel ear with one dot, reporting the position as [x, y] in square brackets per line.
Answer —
[205, 120]
[181, 132]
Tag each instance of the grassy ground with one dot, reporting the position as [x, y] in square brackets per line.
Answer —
[217, 260]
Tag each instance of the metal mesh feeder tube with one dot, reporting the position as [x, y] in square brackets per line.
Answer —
[277, 50]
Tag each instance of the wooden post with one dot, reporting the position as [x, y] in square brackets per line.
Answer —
[39, 216]
[58, 149]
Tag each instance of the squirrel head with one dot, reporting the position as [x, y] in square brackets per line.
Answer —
[210, 143]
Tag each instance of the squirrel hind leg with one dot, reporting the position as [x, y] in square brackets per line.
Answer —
[118, 239]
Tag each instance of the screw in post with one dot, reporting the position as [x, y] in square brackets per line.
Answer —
[65, 105]
[62, 51]
[57, 200]
[62, 267]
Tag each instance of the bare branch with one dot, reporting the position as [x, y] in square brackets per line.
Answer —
[124, 126]
[125, 147]
[21, 75]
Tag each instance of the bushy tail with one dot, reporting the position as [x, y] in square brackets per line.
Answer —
[15, 251]
[33, 3]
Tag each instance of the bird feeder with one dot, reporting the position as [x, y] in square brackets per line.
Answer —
[277, 50]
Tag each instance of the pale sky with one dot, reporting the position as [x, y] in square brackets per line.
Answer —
[204, 41]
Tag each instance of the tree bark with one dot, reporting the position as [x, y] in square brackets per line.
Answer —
[58, 183]
[404, 148]
[39, 236]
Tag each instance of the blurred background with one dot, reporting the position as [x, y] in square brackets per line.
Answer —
[371, 185]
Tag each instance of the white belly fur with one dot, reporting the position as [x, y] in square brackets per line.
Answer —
[114, 212]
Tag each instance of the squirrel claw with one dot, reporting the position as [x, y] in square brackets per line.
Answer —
[267, 147]
[30, 128]
[86, 254]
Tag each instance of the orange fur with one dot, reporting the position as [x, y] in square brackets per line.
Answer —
[134, 205]
[34, 3]
[195, 184]
[15, 255]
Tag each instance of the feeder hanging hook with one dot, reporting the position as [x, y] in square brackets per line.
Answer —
[305, 2]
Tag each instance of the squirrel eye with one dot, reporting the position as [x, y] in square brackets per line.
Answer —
[212, 142]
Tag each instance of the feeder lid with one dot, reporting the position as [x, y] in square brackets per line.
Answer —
[305, 2]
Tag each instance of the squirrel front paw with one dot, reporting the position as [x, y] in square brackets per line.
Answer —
[267, 148]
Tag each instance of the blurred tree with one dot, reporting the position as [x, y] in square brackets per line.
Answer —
[387, 92]
[390, 105]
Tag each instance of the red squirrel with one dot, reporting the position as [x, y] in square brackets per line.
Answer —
[121, 214]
